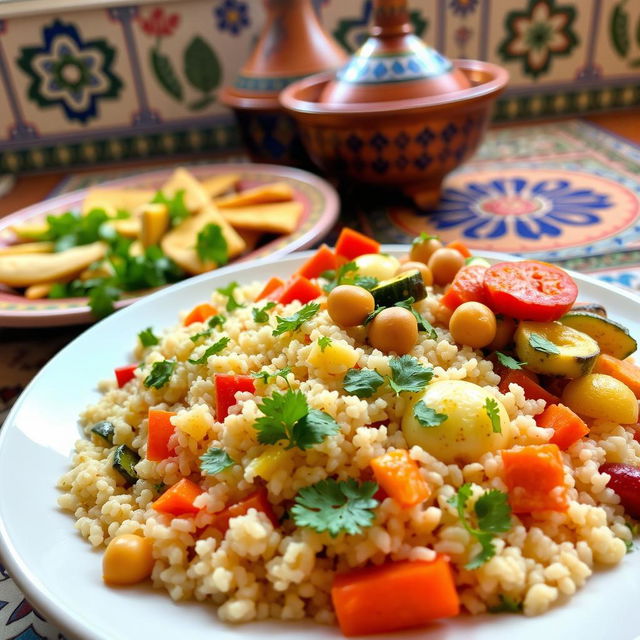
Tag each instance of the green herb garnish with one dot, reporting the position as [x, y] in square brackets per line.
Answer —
[423, 237]
[508, 361]
[211, 245]
[294, 322]
[214, 461]
[423, 323]
[362, 382]
[506, 605]
[216, 347]
[260, 315]
[160, 374]
[428, 417]
[407, 374]
[540, 343]
[148, 338]
[324, 342]
[176, 206]
[232, 303]
[493, 412]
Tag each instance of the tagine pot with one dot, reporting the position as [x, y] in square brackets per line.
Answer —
[291, 46]
[398, 113]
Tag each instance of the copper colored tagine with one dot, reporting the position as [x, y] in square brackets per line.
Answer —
[393, 64]
[292, 45]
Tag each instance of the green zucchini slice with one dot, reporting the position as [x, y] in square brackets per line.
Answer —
[613, 338]
[555, 349]
[124, 462]
[104, 429]
[405, 285]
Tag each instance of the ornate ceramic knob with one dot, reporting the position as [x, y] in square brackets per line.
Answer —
[393, 64]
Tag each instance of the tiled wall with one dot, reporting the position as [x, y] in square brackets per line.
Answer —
[99, 85]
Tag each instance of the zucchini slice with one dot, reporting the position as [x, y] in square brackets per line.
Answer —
[104, 429]
[124, 462]
[405, 285]
[613, 338]
[555, 349]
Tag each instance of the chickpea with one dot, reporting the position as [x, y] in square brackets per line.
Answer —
[349, 305]
[421, 250]
[393, 329]
[505, 328]
[444, 264]
[128, 559]
[473, 324]
[425, 272]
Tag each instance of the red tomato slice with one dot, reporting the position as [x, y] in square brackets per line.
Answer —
[530, 290]
[467, 286]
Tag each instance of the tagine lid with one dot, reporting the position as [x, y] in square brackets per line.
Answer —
[393, 64]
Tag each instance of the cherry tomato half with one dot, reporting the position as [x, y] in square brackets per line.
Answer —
[529, 290]
[467, 286]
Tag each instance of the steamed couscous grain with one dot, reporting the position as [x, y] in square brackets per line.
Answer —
[260, 566]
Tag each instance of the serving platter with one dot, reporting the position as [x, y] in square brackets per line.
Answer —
[320, 211]
[61, 575]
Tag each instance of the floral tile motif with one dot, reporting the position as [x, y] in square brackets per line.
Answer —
[232, 16]
[539, 33]
[463, 7]
[69, 72]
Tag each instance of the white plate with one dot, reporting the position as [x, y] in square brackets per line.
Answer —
[61, 575]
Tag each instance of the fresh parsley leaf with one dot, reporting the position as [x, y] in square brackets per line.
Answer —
[366, 282]
[148, 338]
[506, 605]
[260, 315]
[424, 237]
[324, 342]
[267, 377]
[216, 321]
[160, 374]
[372, 315]
[540, 343]
[294, 322]
[423, 323]
[232, 303]
[216, 347]
[336, 507]
[214, 461]
[428, 417]
[176, 206]
[630, 546]
[508, 361]
[493, 515]
[362, 382]
[493, 411]
[340, 276]
[263, 375]
[201, 334]
[211, 245]
[407, 374]
[101, 299]
[287, 417]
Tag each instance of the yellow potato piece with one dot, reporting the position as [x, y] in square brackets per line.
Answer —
[280, 217]
[155, 222]
[38, 291]
[30, 230]
[217, 185]
[26, 247]
[264, 194]
[127, 227]
[114, 199]
[197, 200]
[25, 270]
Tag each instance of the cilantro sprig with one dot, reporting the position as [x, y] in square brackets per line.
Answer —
[175, 204]
[506, 605]
[423, 237]
[232, 303]
[160, 374]
[267, 376]
[148, 338]
[423, 323]
[287, 416]
[540, 343]
[214, 461]
[493, 515]
[428, 417]
[362, 382]
[294, 322]
[508, 361]
[336, 507]
[493, 412]
[211, 245]
[260, 315]
[213, 322]
[216, 347]
[324, 342]
[347, 274]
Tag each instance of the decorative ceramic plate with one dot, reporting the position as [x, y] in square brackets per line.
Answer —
[320, 211]
[61, 575]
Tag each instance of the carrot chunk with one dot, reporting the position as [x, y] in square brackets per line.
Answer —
[393, 596]
[460, 247]
[622, 370]
[299, 288]
[226, 386]
[199, 313]
[159, 430]
[534, 476]
[178, 499]
[400, 477]
[567, 426]
[258, 500]
[273, 284]
[124, 374]
[322, 260]
[352, 244]
[532, 390]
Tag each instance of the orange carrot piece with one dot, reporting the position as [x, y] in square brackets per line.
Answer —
[460, 247]
[532, 390]
[400, 477]
[178, 499]
[159, 431]
[352, 244]
[622, 370]
[258, 500]
[273, 284]
[534, 476]
[200, 313]
[299, 288]
[393, 596]
[322, 260]
[567, 426]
